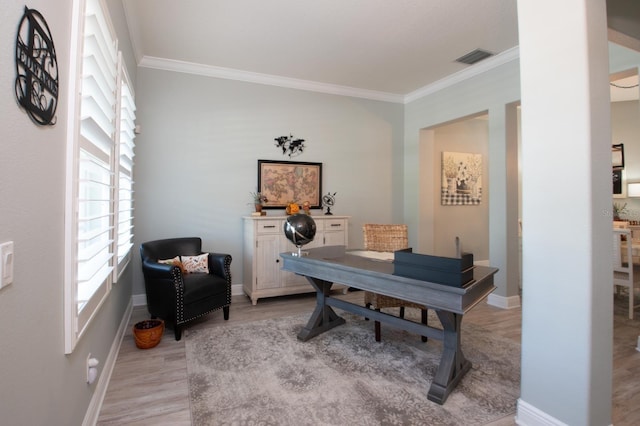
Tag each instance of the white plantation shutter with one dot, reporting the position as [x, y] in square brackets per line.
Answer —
[92, 181]
[95, 229]
[125, 144]
[97, 149]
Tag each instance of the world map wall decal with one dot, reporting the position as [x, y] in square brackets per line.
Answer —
[37, 83]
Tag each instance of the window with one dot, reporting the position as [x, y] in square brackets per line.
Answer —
[99, 205]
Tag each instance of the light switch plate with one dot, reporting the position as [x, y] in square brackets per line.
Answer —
[6, 263]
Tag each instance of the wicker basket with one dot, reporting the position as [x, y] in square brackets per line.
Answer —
[148, 333]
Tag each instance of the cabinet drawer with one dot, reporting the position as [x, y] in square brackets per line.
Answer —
[334, 225]
[269, 227]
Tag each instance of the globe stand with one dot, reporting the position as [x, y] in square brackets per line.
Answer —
[299, 253]
[300, 230]
[329, 201]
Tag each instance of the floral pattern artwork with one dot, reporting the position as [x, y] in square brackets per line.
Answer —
[461, 178]
[283, 183]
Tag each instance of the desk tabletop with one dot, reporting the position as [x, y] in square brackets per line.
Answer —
[335, 264]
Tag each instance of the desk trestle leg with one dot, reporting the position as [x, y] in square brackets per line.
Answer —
[453, 364]
[323, 317]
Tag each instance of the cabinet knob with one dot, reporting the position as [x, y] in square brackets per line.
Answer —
[277, 260]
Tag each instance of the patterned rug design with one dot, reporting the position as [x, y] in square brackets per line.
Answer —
[258, 373]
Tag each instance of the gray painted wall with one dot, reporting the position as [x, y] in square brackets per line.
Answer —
[118, 19]
[490, 92]
[196, 163]
[625, 125]
[471, 222]
[39, 384]
[196, 159]
[625, 128]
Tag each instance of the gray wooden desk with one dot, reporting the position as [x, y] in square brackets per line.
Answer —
[326, 265]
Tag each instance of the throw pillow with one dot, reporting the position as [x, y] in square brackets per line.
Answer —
[174, 261]
[198, 263]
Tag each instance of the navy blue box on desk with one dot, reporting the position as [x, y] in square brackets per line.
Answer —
[456, 272]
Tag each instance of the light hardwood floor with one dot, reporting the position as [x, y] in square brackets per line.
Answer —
[149, 387]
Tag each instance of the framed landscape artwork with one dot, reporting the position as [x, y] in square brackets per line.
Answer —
[283, 182]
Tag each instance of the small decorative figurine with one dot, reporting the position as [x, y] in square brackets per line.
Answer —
[329, 201]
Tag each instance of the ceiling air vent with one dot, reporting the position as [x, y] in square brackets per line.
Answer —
[474, 56]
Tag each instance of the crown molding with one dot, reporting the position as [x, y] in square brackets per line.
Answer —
[333, 89]
[477, 69]
[271, 80]
[623, 39]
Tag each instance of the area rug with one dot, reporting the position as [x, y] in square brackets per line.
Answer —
[258, 373]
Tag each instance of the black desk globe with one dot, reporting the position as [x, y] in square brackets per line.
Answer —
[300, 229]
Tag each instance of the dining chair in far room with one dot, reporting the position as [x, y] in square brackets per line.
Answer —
[388, 238]
[625, 272]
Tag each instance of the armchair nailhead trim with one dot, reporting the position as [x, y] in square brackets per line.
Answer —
[227, 273]
[177, 279]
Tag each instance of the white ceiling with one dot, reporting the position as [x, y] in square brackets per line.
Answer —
[625, 89]
[381, 49]
[389, 47]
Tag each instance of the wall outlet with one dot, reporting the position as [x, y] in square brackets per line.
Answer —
[6, 263]
[92, 369]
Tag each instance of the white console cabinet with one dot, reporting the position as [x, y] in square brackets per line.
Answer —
[264, 240]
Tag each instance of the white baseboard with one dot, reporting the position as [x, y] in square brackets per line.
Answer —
[93, 411]
[503, 302]
[139, 299]
[237, 290]
[499, 301]
[528, 415]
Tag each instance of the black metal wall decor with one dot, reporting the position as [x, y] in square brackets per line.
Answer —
[288, 144]
[37, 82]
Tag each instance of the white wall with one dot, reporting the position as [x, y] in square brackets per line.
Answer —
[567, 313]
[196, 159]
